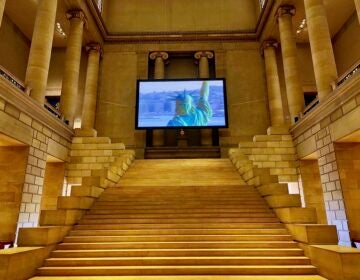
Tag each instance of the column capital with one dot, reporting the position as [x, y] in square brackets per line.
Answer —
[77, 14]
[285, 10]
[269, 43]
[95, 47]
[208, 54]
[163, 55]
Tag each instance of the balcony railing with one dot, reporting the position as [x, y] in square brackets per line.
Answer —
[11, 78]
[21, 86]
[340, 81]
[355, 68]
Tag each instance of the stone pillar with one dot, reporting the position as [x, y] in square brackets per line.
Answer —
[70, 82]
[294, 91]
[202, 58]
[91, 84]
[2, 6]
[321, 47]
[159, 73]
[160, 58]
[273, 83]
[357, 5]
[40, 51]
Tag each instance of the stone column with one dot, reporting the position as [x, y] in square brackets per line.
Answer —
[70, 82]
[159, 73]
[160, 58]
[202, 58]
[91, 84]
[268, 49]
[2, 6]
[40, 51]
[357, 5]
[294, 91]
[321, 46]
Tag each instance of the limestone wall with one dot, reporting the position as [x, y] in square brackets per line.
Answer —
[334, 120]
[346, 45]
[240, 63]
[21, 118]
[179, 16]
[14, 49]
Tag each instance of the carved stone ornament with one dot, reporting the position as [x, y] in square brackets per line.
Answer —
[163, 55]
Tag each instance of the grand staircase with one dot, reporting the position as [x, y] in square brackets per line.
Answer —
[179, 219]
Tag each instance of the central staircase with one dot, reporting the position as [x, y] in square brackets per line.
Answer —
[179, 219]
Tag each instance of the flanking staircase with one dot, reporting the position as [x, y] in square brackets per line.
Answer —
[179, 219]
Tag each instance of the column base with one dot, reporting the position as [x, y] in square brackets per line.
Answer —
[85, 132]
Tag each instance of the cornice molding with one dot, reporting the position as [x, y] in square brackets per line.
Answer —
[29, 106]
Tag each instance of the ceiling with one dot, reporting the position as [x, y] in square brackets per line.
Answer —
[338, 12]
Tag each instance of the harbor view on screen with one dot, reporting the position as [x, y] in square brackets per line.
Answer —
[167, 104]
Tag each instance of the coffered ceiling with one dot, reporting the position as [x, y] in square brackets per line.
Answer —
[23, 12]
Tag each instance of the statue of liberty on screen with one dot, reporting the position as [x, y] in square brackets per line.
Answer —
[187, 114]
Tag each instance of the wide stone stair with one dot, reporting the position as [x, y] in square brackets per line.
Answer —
[179, 219]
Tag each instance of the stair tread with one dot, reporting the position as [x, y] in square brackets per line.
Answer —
[184, 277]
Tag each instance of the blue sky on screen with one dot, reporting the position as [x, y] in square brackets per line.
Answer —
[150, 87]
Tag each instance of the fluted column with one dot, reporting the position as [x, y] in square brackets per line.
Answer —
[159, 73]
[2, 6]
[70, 82]
[294, 91]
[202, 58]
[357, 5]
[273, 82]
[160, 58]
[40, 51]
[321, 46]
[91, 84]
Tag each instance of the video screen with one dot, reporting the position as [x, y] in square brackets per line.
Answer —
[181, 103]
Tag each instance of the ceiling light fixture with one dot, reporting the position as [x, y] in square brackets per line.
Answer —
[60, 30]
[302, 27]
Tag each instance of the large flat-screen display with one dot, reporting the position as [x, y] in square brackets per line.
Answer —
[181, 103]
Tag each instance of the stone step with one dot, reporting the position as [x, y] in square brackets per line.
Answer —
[97, 146]
[179, 200]
[87, 166]
[176, 181]
[91, 153]
[178, 245]
[233, 225]
[99, 159]
[185, 277]
[268, 151]
[179, 215]
[185, 232]
[91, 140]
[180, 270]
[175, 238]
[177, 252]
[177, 220]
[239, 209]
[175, 261]
[267, 144]
[120, 189]
[264, 138]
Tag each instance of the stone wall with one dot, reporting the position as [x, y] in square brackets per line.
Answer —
[333, 120]
[240, 63]
[21, 118]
